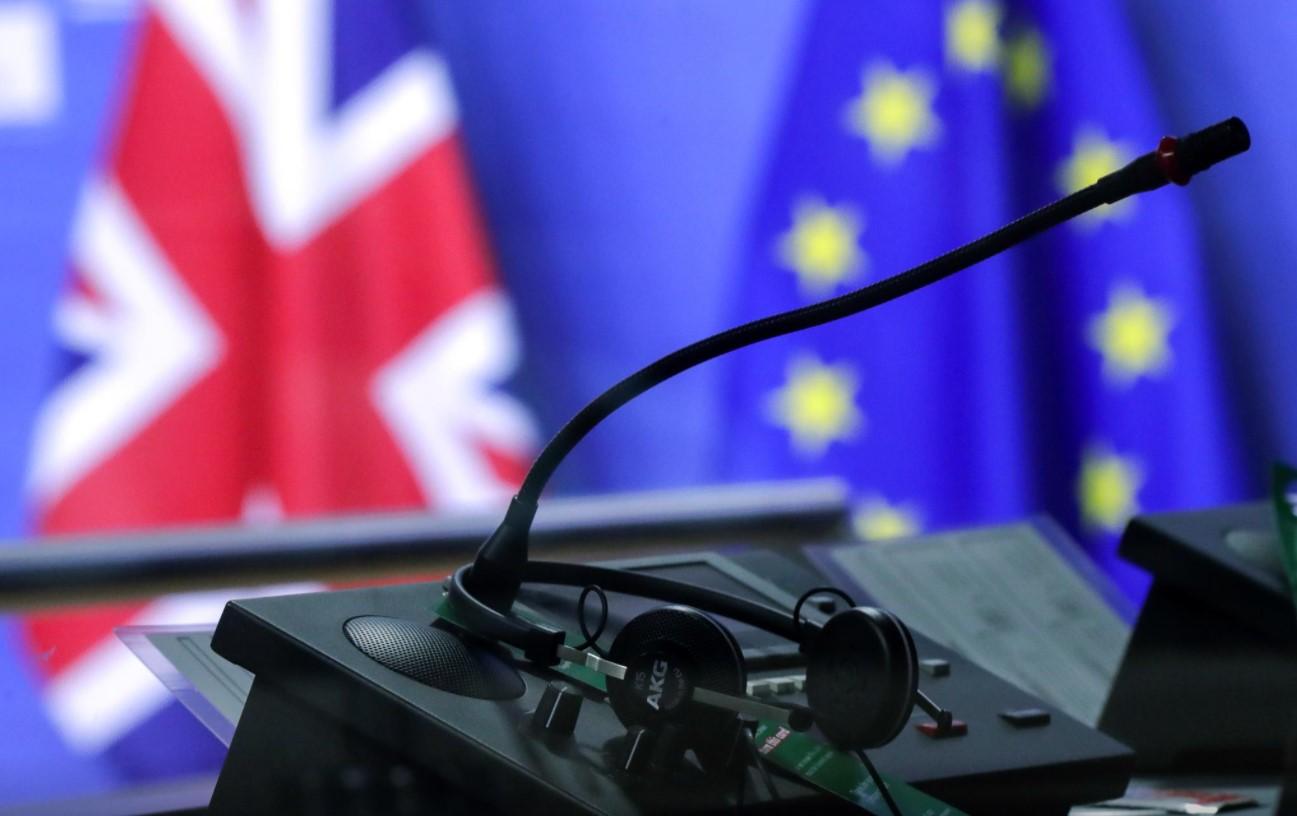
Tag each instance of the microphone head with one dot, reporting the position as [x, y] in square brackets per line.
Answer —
[1201, 149]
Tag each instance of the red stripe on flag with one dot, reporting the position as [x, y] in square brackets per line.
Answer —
[176, 160]
[348, 303]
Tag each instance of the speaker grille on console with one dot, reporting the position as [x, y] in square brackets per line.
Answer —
[437, 657]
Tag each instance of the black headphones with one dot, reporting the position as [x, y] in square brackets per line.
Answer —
[678, 664]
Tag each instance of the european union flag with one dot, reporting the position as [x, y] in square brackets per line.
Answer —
[1075, 375]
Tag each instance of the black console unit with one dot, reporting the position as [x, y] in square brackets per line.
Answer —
[330, 730]
[1207, 680]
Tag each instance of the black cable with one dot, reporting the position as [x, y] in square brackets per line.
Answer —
[749, 737]
[740, 797]
[795, 320]
[878, 782]
[811, 593]
[762, 769]
[590, 639]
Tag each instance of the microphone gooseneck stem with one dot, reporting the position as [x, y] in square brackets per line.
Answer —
[815, 314]
[496, 572]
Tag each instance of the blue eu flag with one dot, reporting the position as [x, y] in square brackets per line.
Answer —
[1075, 375]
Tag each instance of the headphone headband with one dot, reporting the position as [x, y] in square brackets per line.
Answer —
[540, 642]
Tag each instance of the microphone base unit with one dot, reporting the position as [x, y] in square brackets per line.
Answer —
[329, 729]
[1206, 682]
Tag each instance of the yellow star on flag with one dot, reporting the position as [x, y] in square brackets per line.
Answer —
[1108, 488]
[1094, 156]
[876, 520]
[822, 246]
[894, 112]
[972, 34]
[1028, 68]
[1132, 335]
[817, 404]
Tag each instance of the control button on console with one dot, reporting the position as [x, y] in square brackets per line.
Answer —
[935, 667]
[637, 749]
[783, 685]
[559, 708]
[1025, 717]
[958, 728]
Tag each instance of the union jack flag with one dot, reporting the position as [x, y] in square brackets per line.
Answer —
[281, 303]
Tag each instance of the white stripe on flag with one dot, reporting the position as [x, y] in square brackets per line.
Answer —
[155, 342]
[270, 66]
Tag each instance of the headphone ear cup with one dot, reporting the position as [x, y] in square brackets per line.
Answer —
[862, 677]
[667, 652]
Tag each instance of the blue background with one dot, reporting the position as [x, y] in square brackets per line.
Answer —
[618, 149]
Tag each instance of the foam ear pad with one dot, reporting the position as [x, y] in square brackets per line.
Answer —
[862, 675]
[667, 652]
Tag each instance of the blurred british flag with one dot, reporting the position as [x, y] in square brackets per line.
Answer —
[281, 302]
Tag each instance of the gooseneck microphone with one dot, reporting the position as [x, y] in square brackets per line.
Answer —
[498, 568]
[676, 671]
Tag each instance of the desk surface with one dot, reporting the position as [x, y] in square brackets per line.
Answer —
[189, 796]
[1263, 789]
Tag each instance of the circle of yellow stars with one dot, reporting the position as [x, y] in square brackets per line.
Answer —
[822, 247]
[817, 404]
[1108, 488]
[1132, 335]
[893, 112]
